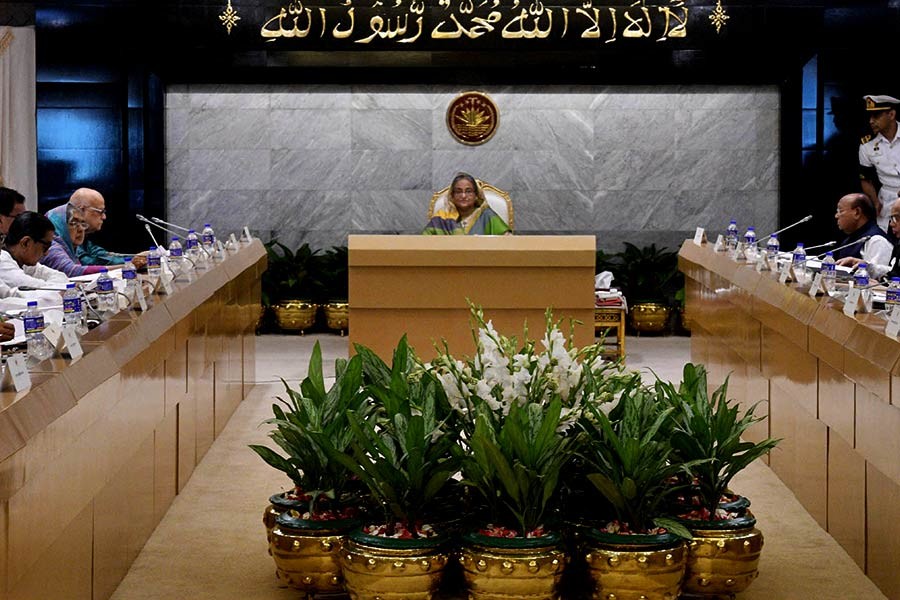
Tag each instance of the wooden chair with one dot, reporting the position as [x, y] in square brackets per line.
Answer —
[496, 198]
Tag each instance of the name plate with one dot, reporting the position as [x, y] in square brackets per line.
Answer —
[851, 302]
[698, 236]
[16, 375]
[720, 244]
[247, 235]
[892, 329]
[816, 288]
[785, 273]
[72, 343]
[139, 292]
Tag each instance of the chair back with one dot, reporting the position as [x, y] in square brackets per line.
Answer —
[496, 198]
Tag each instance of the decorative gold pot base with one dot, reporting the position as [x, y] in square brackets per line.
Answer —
[295, 315]
[378, 573]
[511, 573]
[722, 563]
[337, 316]
[308, 560]
[650, 317]
[621, 574]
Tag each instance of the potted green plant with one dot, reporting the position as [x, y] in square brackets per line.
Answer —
[649, 278]
[333, 287]
[516, 405]
[406, 456]
[631, 463]
[706, 433]
[287, 288]
[304, 525]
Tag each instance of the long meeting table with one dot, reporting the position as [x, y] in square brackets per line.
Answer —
[93, 454]
[830, 386]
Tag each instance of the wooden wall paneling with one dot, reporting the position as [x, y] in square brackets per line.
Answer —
[64, 567]
[782, 425]
[780, 308]
[877, 440]
[811, 464]
[120, 534]
[882, 541]
[829, 331]
[758, 395]
[847, 498]
[870, 356]
[165, 464]
[837, 402]
[177, 392]
[791, 368]
[4, 548]
[248, 362]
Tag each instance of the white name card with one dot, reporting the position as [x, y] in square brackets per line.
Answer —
[247, 235]
[785, 273]
[851, 301]
[698, 236]
[720, 244]
[16, 375]
[73, 344]
[139, 292]
[816, 288]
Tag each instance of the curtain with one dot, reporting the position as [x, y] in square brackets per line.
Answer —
[18, 129]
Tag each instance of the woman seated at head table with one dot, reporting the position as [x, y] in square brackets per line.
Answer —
[469, 214]
[70, 229]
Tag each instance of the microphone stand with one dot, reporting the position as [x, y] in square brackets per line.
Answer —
[859, 241]
[159, 221]
[783, 229]
[147, 222]
[825, 245]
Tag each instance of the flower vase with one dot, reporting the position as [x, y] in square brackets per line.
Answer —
[307, 553]
[723, 557]
[379, 568]
[635, 567]
[496, 568]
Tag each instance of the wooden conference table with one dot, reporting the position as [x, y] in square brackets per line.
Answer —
[92, 455]
[830, 385]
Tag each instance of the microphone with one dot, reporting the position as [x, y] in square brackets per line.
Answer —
[147, 222]
[30, 288]
[825, 245]
[783, 229]
[161, 222]
[859, 241]
[150, 233]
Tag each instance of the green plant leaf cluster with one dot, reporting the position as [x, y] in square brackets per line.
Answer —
[406, 455]
[647, 274]
[515, 464]
[707, 432]
[628, 456]
[305, 274]
[312, 411]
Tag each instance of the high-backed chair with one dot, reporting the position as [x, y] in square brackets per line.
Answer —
[496, 198]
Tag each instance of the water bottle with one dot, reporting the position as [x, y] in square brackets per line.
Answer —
[208, 237]
[829, 272]
[176, 255]
[192, 245]
[731, 236]
[73, 314]
[106, 293]
[799, 262]
[861, 276]
[750, 250]
[129, 274]
[892, 298]
[38, 346]
[153, 262]
[772, 249]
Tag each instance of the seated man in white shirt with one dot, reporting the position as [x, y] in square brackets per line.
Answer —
[855, 217]
[29, 237]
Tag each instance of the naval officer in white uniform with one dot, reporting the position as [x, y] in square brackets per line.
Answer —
[879, 156]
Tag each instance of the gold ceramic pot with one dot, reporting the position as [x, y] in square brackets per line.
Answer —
[635, 567]
[295, 315]
[505, 568]
[376, 568]
[686, 320]
[307, 553]
[278, 504]
[650, 317]
[337, 316]
[723, 557]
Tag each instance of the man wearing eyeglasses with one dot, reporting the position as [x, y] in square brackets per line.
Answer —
[28, 239]
[93, 207]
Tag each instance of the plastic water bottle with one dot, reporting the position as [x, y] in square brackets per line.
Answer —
[208, 237]
[750, 250]
[772, 249]
[73, 313]
[892, 298]
[192, 245]
[829, 272]
[129, 274]
[176, 255]
[38, 346]
[861, 276]
[799, 262]
[731, 236]
[106, 293]
[153, 262]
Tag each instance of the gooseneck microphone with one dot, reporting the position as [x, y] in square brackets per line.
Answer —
[859, 241]
[825, 245]
[161, 222]
[783, 229]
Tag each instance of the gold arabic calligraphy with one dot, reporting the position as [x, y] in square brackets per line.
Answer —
[404, 21]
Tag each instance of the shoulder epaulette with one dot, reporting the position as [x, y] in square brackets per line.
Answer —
[865, 139]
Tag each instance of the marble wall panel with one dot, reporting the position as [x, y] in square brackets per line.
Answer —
[317, 162]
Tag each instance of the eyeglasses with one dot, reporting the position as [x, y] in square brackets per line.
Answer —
[468, 192]
[45, 244]
[894, 218]
[78, 224]
[99, 211]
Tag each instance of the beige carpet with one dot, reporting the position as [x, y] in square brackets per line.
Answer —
[211, 543]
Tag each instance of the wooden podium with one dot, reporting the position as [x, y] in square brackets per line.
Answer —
[418, 285]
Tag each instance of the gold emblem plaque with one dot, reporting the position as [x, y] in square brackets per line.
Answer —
[472, 118]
